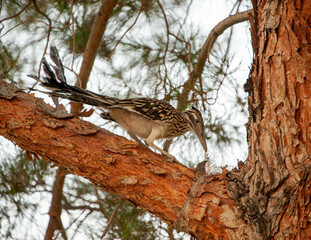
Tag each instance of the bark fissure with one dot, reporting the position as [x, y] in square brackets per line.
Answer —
[279, 149]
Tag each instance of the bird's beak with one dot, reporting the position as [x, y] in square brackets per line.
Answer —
[201, 137]
[203, 142]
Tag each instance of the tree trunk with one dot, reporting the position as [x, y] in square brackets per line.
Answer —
[274, 185]
[268, 197]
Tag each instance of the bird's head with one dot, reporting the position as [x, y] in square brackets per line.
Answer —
[196, 125]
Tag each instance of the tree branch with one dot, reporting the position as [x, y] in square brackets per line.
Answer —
[121, 166]
[55, 222]
[111, 218]
[91, 49]
[204, 54]
[222, 26]
[94, 40]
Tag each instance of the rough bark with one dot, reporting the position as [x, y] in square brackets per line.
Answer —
[195, 204]
[274, 186]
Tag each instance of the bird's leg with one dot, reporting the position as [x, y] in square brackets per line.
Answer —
[208, 164]
[153, 135]
[136, 139]
[151, 138]
[169, 157]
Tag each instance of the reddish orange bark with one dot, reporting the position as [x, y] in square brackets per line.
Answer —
[123, 167]
[275, 183]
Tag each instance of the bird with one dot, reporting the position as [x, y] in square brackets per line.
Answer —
[149, 119]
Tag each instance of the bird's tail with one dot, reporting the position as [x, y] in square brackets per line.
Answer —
[55, 80]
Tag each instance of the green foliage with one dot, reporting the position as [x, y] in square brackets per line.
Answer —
[19, 180]
[19, 176]
[9, 61]
[130, 222]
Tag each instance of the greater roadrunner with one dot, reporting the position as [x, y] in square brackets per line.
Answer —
[147, 118]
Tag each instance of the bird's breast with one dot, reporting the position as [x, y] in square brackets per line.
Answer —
[137, 124]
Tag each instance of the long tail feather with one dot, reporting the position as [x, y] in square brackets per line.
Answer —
[55, 80]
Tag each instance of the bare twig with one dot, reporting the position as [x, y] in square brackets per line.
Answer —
[101, 202]
[167, 43]
[48, 34]
[222, 26]
[55, 222]
[167, 30]
[80, 223]
[187, 12]
[9, 30]
[111, 218]
[15, 15]
[73, 34]
[188, 44]
[141, 9]
[54, 27]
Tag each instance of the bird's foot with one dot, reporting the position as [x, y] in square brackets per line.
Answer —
[170, 158]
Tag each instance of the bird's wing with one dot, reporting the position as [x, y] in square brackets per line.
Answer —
[153, 109]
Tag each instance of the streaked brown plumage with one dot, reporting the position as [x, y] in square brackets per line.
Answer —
[146, 118]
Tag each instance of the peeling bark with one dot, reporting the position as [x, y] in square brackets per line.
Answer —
[277, 171]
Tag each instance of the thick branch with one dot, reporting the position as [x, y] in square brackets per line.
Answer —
[123, 167]
[94, 40]
[55, 222]
[91, 49]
